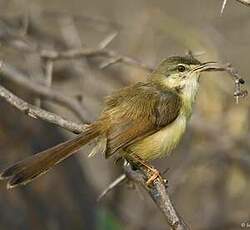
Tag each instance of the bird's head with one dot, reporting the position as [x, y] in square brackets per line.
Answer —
[181, 74]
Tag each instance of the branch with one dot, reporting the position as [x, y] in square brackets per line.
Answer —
[17, 77]
[158, 190]
[244, 2]
[223, 6]
[119, 180]
[38, 113]
[93, 52]
[159, 195]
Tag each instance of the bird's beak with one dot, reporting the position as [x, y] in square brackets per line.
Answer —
[209, 66]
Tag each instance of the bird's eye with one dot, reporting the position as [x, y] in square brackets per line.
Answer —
[181, 68]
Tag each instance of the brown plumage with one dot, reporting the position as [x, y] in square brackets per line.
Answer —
[129, 121]
[139, 120]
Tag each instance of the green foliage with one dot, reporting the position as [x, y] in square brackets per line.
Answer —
[107, 221]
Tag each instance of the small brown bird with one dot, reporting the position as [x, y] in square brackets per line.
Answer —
[141, 122]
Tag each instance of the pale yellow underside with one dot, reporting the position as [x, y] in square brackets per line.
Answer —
[160, 143]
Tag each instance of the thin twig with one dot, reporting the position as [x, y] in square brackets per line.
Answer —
[92, 52]
[223, 6]
[48, 72]
[105, 42]
[17, 77]
[238, 81]
[112, 185]
[109, 62]
[244, 2]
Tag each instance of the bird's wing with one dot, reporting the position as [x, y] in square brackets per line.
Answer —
[136, 112]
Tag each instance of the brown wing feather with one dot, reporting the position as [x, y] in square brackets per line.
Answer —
[137, 112]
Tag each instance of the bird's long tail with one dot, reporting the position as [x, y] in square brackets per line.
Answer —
[26, 170]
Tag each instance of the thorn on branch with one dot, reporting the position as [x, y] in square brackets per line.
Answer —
[223, 6]
[106, 41]
[114, 184]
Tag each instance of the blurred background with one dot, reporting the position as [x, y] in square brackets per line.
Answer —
[209, 171]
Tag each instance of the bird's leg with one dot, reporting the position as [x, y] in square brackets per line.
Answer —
[155, 174]
[152, 173]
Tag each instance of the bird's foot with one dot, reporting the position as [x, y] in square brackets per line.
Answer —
[151, 172]
[154, 175]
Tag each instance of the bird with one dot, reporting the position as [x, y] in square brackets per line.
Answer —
[139, 123]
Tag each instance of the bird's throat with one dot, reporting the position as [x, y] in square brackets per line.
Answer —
[188, 95]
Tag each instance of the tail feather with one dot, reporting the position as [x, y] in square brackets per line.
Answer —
[26, 170]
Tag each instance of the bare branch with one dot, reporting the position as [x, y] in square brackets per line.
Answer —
[109, 62]
[244, 2]
[93, 52]
[157, 192]
[223, 6]
[160, 196]
[238, 81]
[114, 184]
[38, 113]
[17, 77]
[105, 42]
[48, 72]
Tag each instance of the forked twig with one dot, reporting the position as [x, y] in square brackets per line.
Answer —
[238, 81]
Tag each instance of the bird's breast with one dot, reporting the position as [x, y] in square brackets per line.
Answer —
[162, 142]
